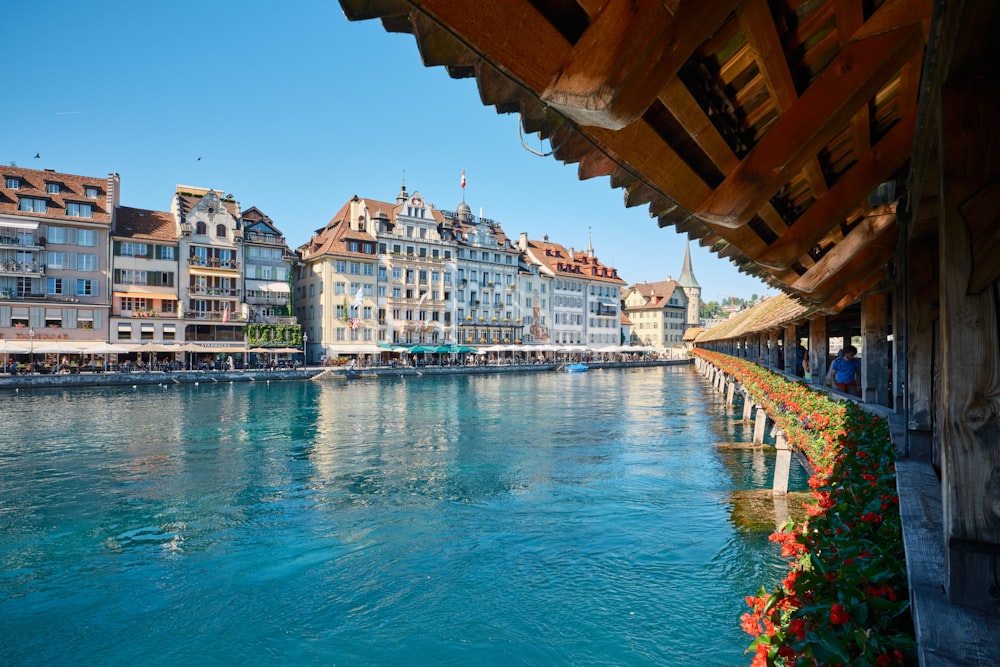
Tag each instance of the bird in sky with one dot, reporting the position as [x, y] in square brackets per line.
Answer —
[199, 159]
[37, 155]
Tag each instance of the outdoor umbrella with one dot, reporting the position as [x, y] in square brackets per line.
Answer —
[11, 348]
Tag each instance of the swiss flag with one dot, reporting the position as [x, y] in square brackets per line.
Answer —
[463, 179]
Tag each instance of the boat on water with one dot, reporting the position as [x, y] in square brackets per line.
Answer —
[577, 368]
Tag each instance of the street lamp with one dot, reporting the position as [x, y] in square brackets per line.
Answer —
[305, 351]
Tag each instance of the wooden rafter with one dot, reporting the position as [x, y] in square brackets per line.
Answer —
[629, 51]
[854, 77]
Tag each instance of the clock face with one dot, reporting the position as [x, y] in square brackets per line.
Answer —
[417, 202]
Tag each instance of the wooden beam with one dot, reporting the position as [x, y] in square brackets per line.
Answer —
[853, 78]
[758, 26]
[870, 232]
[884, 160]
[626, 55]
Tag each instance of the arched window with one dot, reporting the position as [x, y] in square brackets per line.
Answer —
[200, 228]
[220, 230]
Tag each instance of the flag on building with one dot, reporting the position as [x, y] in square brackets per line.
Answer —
[225, 314]
[359, 298]
[463, 179]
[423, 297]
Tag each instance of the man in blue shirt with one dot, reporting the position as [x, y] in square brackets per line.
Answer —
[846, 371]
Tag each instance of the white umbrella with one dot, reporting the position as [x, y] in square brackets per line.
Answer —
[11, 348]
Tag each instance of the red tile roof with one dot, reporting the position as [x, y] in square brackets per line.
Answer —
[656, 294]
[561, 262]
[144, 224]
[33, 183]
[335, 237]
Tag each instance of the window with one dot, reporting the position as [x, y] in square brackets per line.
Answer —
[130, 249]
[86, 287]
[353, 246]
[55, 260]
[32, 205]
[355, 268]
[124, 331]
[340, 266]
[86, 262]
[87, 237]
[368, 269]
[340, 288]
[91, 192]
[14, 183]
[55, 286]
[200, 228]
[220, 231]
[167, 252]
[52, 188]
[75, 210]
[56, 234]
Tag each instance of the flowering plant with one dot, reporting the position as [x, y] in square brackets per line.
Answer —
[845, 599]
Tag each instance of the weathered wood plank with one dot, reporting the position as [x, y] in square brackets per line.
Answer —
[969, 409]
[875, 346]
[818, 348]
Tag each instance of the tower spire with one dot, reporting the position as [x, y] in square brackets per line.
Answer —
[687, 278]
[590, 242]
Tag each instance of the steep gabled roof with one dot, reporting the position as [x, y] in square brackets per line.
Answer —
[140, 223]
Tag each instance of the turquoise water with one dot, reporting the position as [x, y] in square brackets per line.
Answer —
[535, 519]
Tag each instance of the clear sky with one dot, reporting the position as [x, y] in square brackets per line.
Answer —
[294, 109]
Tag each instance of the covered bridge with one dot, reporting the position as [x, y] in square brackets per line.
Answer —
[846, 152]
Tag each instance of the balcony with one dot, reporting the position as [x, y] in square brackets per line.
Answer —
[20, 242]
[420, 259]
[257, 237]
[229, 292]
[24, 269]
[271, 300]
[213, 315]
[213, 263]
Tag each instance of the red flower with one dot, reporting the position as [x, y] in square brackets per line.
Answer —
[798, 628]
[838, 615]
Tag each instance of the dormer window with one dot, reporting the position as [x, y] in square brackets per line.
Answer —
[52, 188]
[32, 205]
[220, 231]
[200, 228]
[77, 210]
[13, 183]
[91, 192]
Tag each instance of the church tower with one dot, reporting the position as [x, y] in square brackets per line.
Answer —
[691, 289]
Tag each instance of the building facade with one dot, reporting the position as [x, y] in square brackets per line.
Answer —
[584, 295]
[54, 262]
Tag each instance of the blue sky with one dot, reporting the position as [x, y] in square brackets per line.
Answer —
[294, 110]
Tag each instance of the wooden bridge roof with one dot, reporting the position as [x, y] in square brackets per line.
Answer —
[774, 132]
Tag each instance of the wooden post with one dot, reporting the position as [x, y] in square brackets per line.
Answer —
[747, 406]
[730, 392]
[875, 343]
[759, 426]
[782, 464]
[773, 350]
[920, 344]
[818, 350]
[969, 409]
[791, 343]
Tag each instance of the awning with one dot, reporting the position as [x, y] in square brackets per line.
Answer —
[276, 286]
[148, 295]
[18, 224]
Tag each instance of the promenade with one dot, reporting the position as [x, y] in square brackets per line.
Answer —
[10, 383]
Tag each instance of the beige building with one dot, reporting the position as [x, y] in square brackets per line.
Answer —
[54, 264]
[336, 282]
[658, 312]
[145, 307]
